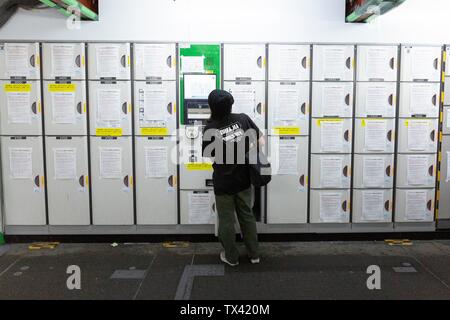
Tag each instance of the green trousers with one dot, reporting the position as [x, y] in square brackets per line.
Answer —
[227, 206]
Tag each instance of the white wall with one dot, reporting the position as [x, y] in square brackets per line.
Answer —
[416, 21]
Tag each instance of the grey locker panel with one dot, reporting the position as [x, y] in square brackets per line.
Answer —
[323, 91]
[64, 60]
[419, 99]
[421, 63]
[447, 90]
[209, 217]
[421, 205]
[406, 175]
[377, 63]
[155, 61]
[164, 99]
[289, 189]
[320, 145]
[68, 197]
[195, 171]
[323, 176]
[446, 121]
[124, 87]
[375, 163]
[280, 117]
[447, 69]
[156, 193]
[444, 202]
[368, 129]
[112, 199]
[109, 60]
[243, 92]
[338, 201]
[289, 62]
[244, 61]
[25, 99]
[372, 206]
[73, 96]
[333, 62]
[430, 138]
[20, 60]
[23, 190]
[376, 99]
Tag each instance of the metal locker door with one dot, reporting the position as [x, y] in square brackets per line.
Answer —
[244, 61]
[64, 60]
[372, 206]
[21, 108]
[65, 108]
[156, 183]
[418, 136]
[120, 122]
[419, 100]
[288, 108]
[112, 189]
[374, 135]
[337, 136]
[416, 205]
[373, 171]
[68, 181]
[421, 63]
[160, 119]
[447, 90]
[20, 60]
[198, 207]
[289, 62]
[332, 99]
[249, 98]
[444, 202]
[377, 63]
[288, 188]
[447, 69]
[154, 61]
[376, 99]
[416, 171]
[23, 181]
[109, 61]
[446, 121]
[330, 206]
[331, 171]
[333, 62]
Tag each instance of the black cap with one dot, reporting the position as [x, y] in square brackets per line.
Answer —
[220, 102]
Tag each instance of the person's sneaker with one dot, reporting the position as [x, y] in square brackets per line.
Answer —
[224, 260]
[255, 261]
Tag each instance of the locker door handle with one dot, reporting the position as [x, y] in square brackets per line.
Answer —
[78, 61]
[304, 62]
[34, 108]
[346, 135]
[126, 181]
[170, 181]
[303, 108]
[345, 171]
[392, 63]
[347, 99]
[259, 108]
[124, 108]
[344, 206]
[213, 207]
[37, 181]
[431, 171]
[433, 135]
[429, 205]
[170, 108]
[302, 180]
[391, 100]
[387, 205]
[259, 61]
[81, 181]
[388, 171]
[434, 100]
[169, 61]
[348, 63]
[389, 135]
[80, 108]
[33, 61]
[123, 61]
[436, 63]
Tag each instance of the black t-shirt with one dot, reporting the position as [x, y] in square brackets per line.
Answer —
[227, 141]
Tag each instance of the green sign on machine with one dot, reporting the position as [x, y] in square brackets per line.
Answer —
[190, 54]
[2, 239]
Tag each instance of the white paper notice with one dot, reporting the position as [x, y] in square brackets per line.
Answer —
[373, 205]
[65, 163]
[111, 163]
[155, 105]
[193, 64]
[17, 59]
[63, 56]
[288, 157]
[333, 100]
[243, 61]
[331, 172]
[109, 107]
[417, 169]
[447, 179]
[416, 205]
[420, 98]
[377, 63]
[290, 63]
[63, 107]
[374, 169]
[377, 99]
[422, 63]
[334, 63]
[21, 163]
[108, 60]
[288, 105]
[156, 162]
[332, 136]
[200, 211]
[375, 135]
[244, 101]
[19, 107]
[152, 59]
[418, 135]
[330, 207]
